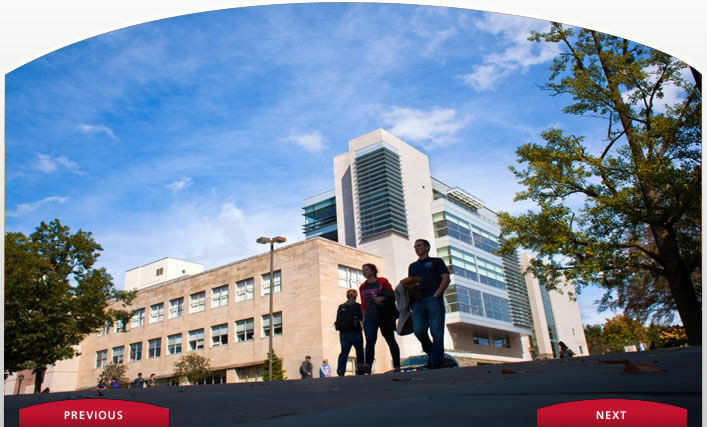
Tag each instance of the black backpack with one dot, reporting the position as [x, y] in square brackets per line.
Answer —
[347, 318]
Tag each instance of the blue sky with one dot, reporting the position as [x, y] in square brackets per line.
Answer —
[192, 136]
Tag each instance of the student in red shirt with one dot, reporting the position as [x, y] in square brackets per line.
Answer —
[378, 306]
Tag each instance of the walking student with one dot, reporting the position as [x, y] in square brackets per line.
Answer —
[348, 323]
[379, 312]
[305, 369]
[428, 311]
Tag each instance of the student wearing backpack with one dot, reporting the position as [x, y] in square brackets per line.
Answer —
[379, 312]
[348, 323]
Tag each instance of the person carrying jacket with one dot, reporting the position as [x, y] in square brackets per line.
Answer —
[348, 323]
[378, 305]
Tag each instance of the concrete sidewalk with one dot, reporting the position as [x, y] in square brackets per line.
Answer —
[496, 395]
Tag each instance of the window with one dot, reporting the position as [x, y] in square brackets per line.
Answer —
[105, 329]
[197, 302]
[481, 339]
[277, 285]
[101, 358]
[118, 354]
[350, 278]
[244, 330]
[196, 339]
[154, 348]
[138, 318]
[159, 271]
[580, 350]
[219, 335]
[276, 324]
[244, 290]
[156, 312]
[176, 307]
[497, 308]
[219, 296]
[501, 342]
[135, 351]
[119, 326]
[572, 331]
[174, 344]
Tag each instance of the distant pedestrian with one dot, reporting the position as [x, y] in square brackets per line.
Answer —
[101, 385]
[325, 369]
[305, 368]
[114, 383]
[139, 382]
[428, 307]
[348, 323]
[152, 382]
[379, 312]
[565, 352]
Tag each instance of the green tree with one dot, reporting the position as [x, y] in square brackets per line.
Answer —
[595, 339]
[192, 368]
[640, 223]
[621, 331]
[278, 373]
[117, 371]
[54, 296]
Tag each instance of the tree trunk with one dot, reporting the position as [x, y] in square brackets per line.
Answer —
[680, 283]
[39, 379]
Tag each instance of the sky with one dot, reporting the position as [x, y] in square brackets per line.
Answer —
[192, 136]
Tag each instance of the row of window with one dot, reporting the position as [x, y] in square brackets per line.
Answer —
[244, 291]
[244, 330]
[472, 301]
[495, 341]
[446, 224]
[464, 264]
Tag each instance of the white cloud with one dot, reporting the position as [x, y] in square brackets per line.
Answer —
[213, 233]
[179, 185]
[26, 208]
[312, 141]
[47, 164]
[519, 55]
[92, 130]
[435, 127]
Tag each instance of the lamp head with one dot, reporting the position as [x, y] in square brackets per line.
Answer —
[279, 239]
[263, 240]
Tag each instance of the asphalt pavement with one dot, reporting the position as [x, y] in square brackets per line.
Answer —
[489, 395]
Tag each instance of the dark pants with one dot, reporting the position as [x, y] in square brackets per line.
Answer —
[371, 324]
[428, 313]
[348, 339]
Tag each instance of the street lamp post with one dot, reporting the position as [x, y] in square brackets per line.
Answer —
[266, 240]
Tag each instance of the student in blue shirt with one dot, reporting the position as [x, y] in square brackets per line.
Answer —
[428, 312]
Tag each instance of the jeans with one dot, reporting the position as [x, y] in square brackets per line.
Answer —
[348, 339]
[428, 313]
[371, 324]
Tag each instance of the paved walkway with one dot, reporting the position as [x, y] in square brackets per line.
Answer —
[496, 395]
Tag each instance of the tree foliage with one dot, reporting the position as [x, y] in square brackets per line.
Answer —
[637, 233]
[595, 339]
[54, 296]
[192, 367]
[278, 373]
[117, 371]
[621, 331]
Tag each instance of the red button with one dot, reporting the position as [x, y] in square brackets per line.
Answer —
[94, 412]
[612, 412]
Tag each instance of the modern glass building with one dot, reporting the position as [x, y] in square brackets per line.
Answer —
[385, 199]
